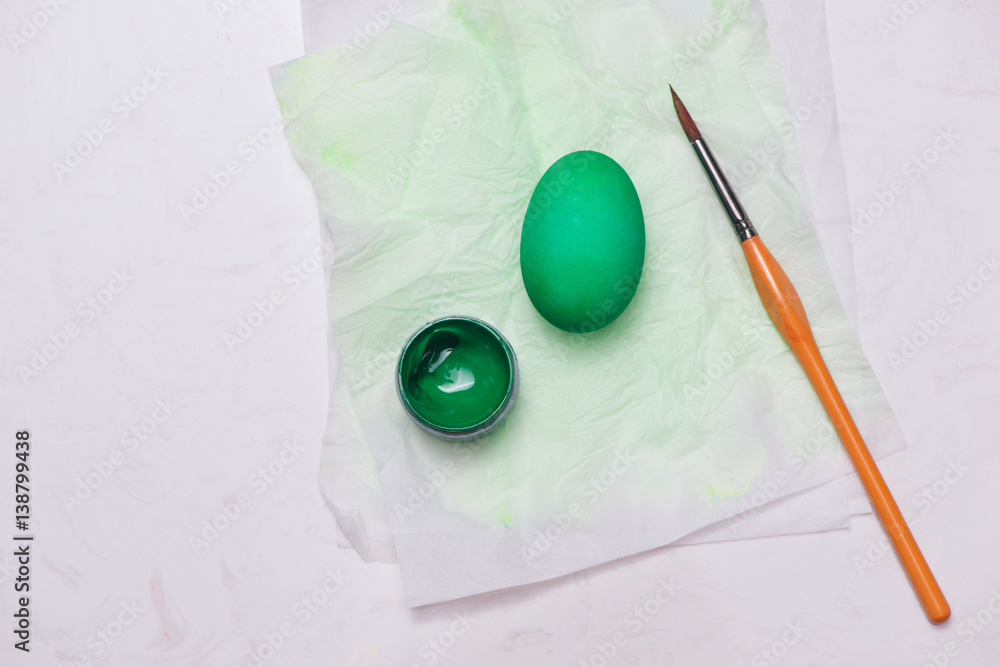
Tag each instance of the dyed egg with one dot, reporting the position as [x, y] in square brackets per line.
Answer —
[582, 242]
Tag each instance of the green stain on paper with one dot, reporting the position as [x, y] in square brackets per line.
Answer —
[335, 156]
[482, 22]
[718, 493]
[555, 89]
[729, 11]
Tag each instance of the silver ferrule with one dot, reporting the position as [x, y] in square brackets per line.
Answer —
[741, 223]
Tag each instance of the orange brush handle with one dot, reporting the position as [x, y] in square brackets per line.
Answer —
[784, 307]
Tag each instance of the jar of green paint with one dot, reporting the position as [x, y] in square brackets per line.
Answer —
[457, 377]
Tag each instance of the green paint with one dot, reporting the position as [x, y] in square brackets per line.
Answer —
[456, 375]
[582, 243]
[340, 157]
[716, 494]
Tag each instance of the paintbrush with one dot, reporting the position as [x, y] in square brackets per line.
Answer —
[785, 309]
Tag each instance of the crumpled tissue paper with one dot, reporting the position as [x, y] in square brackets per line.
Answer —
[687, 411]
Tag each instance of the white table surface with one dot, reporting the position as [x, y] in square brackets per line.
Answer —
[170, 364]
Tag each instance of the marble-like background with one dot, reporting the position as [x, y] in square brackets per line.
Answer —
[164, 341]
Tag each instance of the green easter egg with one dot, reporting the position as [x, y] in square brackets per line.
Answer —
[582, 242]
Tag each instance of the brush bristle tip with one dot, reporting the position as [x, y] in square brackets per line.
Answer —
[687, 123]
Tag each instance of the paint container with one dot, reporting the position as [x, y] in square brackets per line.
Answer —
[457, 377]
